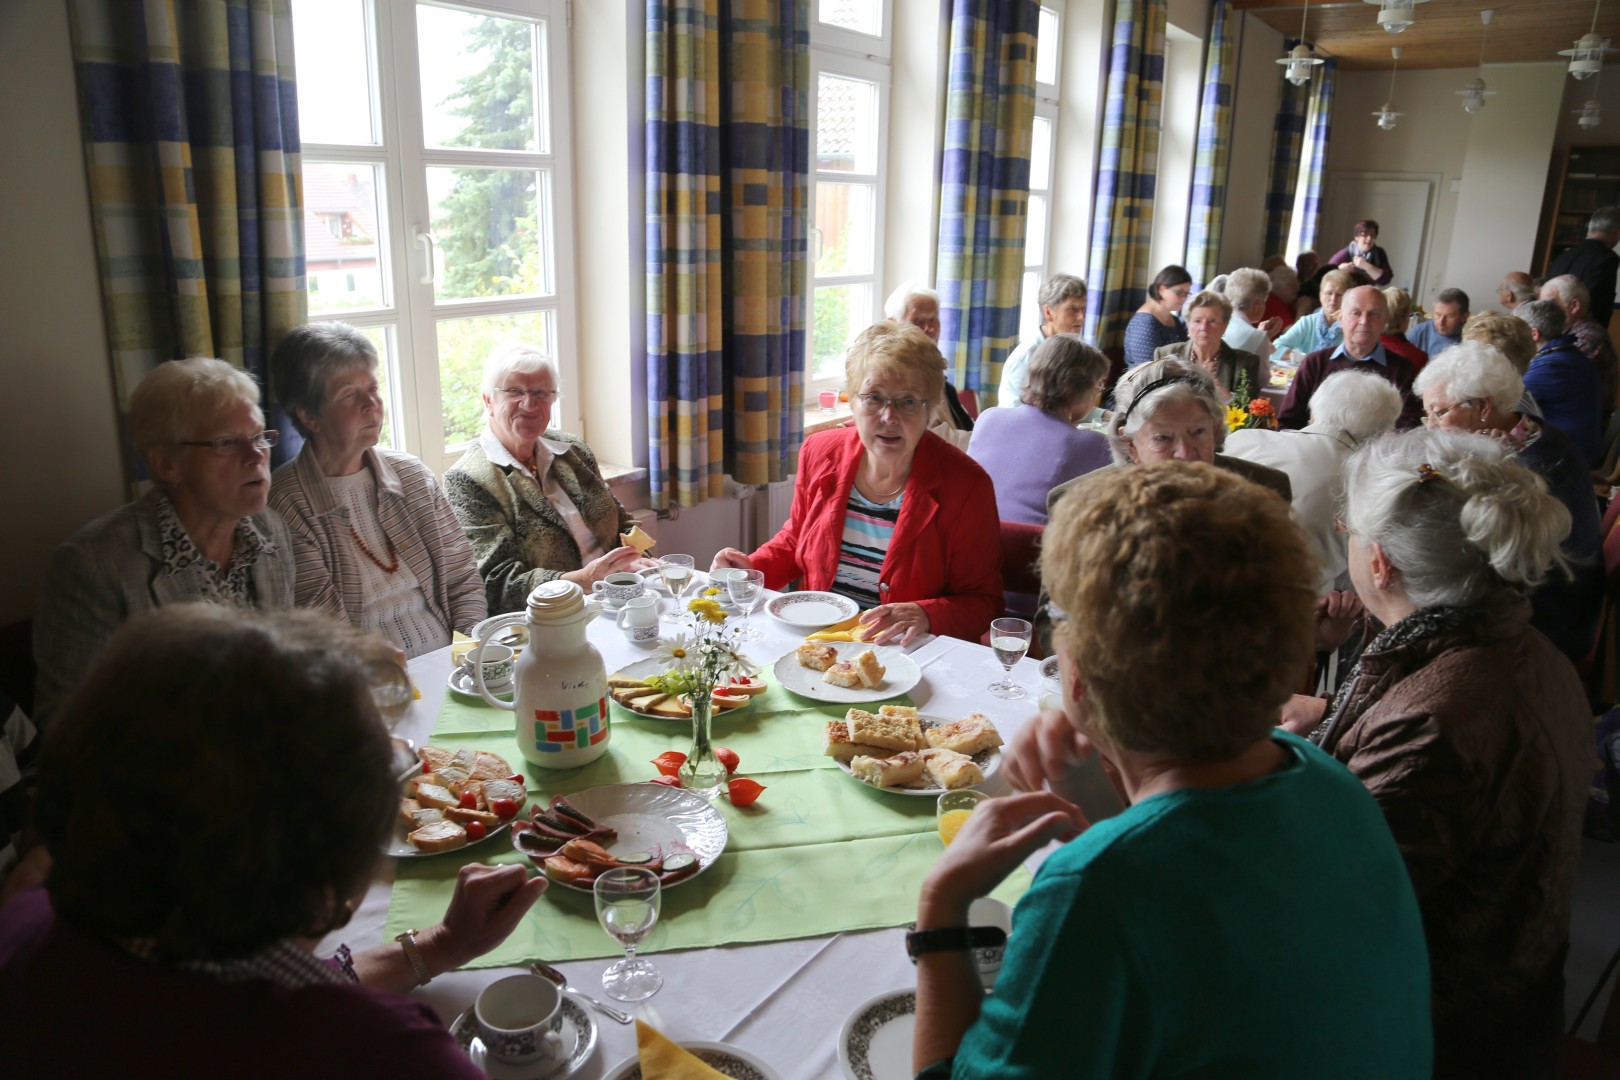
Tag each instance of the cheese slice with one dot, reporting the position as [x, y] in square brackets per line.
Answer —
[665, 1060]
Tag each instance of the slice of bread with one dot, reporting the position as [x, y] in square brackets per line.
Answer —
[461, 817]
[504, 789]
[836, 744]
[672, 707]
[816, 657]
[624, 682]
[871, 672]
[637, 538]
[889, 732]
[439, 836]
[433, 758]
[907, 715]
[425, 817]
[845, 675]
[969, 736]
[897, 771]
[948, 769]
[408, 809]
[488, 766]
[436, 795]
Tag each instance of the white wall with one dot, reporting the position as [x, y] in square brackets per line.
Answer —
[1254, 111]
[58, 424]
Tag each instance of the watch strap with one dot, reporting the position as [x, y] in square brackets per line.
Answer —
[954, 939]
[413, 955]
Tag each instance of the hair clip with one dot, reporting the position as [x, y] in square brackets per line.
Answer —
[1157, 384]
[1427, 472]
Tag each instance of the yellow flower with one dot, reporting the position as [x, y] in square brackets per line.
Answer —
[711, 591]
[707, 609]
[1235, 417]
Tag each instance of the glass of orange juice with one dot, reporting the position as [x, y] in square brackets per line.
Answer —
[954, 808]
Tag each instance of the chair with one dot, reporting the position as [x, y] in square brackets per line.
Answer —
[1020, 574]
[970, 402]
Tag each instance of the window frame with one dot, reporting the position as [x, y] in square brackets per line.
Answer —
[854, 42]
[1046, 108]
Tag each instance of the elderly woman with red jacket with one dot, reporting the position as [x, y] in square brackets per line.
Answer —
[887, 513]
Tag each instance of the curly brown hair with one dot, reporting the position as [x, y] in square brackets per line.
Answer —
[1190, 596]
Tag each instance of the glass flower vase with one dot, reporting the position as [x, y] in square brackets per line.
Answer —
[702, 772]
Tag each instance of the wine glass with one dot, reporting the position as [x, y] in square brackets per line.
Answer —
[745, 588]
[1009, 640]
[390, 690]
[676, 570]
[627, 901]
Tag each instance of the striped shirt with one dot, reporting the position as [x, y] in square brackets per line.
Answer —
[868, 529]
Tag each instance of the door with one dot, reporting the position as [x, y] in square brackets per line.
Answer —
[1403, 208]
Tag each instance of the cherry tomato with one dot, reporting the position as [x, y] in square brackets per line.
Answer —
[475, 830]
[469, 801]
[517, 778]
[667, 781]
[743, 791]
[669, 762]
[728, 758]
[504, 807]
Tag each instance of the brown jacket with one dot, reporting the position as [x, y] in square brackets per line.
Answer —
[1477, 744]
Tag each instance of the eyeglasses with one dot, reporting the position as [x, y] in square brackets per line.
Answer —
[874, 404]
[233, 445]
[1440, 414]
[518, 395]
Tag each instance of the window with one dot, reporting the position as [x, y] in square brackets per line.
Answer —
[1038, 228]
[437, 201]
[849, 126]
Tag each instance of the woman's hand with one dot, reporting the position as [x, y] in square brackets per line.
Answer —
[486, 906]
[888, 624]
[730, 559]
[1336, 616]
[1049, 751]
[1000, 834]
[1302, 714]
[624, 559]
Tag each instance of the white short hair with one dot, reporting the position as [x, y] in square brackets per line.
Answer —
[1245, 286]
[182, 399]
[895, 306]
[1472, 369]
[1358, 403]
[516, 359]
[1461, 520]
[1146, 388]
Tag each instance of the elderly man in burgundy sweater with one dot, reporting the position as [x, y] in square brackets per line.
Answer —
[1363, 314]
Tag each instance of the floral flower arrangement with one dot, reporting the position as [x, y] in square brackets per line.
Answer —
[1249, 410]
[699, 661]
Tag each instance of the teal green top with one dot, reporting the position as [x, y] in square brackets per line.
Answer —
[1256, 931]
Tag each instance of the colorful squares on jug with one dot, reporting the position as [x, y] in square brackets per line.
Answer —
[570, 729]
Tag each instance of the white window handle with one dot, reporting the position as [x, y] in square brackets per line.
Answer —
[424, 240]
[817, 243]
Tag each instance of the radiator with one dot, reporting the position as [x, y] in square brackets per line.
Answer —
[778, 502]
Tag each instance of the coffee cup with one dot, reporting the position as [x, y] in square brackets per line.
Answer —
[638, 618]
[615, 589]
[497, 664]
[987, 911]
[519, 1019]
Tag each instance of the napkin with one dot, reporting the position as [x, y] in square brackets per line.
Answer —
[848, 630]
[663, 1060]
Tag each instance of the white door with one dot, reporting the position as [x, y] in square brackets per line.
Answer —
[1402, 208]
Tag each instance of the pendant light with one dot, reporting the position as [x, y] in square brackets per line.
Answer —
[1386, 115]
[1474, 93]
[1586, 58]
[1395, 15]
[1590, 115]
[1300, 59]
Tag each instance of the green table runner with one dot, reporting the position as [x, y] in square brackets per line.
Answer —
[818, 853]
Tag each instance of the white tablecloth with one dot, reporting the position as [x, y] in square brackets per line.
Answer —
[783, 1001]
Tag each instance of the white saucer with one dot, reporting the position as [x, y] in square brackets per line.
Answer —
[576, 1026]
[461, 682]
[875, 1043]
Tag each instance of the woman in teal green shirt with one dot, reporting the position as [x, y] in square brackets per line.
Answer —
[1248, 914]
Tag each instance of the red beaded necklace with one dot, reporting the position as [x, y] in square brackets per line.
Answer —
[389, 567]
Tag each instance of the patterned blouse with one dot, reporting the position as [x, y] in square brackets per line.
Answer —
[1144, 334]
[233, 586]
[868, 528]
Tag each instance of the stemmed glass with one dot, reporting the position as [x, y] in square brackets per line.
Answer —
[627, 901]
[746, 587]
[676, 570]
[1009, 640]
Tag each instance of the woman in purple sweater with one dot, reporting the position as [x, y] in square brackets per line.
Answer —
[1030, 451]
[214, 798]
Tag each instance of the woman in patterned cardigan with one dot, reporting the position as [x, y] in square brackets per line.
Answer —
[533, 502]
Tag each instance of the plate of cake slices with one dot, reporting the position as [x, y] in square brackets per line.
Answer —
[847, 672]
[897, 749]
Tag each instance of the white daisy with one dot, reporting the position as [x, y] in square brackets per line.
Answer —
[675, 651]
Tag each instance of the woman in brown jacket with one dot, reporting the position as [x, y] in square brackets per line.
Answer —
[1471, 731]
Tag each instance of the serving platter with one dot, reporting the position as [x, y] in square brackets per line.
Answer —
[647, 816]
[401, 848]
[654, 666]
[900, 674]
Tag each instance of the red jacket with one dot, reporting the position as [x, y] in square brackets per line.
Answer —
[946, 551]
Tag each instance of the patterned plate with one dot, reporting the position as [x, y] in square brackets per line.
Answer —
[812, 610]
[900, 674]
[988, 762]
[645, 815]
[573, 1022]
[875, 1043]
[724, 1059]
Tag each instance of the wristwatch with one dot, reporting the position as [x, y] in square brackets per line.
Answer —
[413, 955]
[954, 939]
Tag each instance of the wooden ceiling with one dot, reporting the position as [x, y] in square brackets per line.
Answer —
[1444, 33]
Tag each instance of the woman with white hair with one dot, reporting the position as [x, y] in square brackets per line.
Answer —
[1208, 314]
[375, 539]
[1473, 387]
[201, 533]
[1281, 309]
[1470, 730]
[918, 305]
[1246, 290]
[533, 501]
[1349, 408]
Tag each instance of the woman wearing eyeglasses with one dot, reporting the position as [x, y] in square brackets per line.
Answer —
[201, 533]
[886, 512]
[533, 502]
[374, 538]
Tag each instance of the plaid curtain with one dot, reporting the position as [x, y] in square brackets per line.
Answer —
[1287, 134]
[1318, 124]
[1122, 221]
[190, 128]
[984, 181]
[728, 150]
[1214, 147]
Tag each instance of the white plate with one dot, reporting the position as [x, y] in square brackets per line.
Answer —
[875, 1043]
[573, 1023]
[647, 814]
[988, 762]
[900, 674]
[812, 610]
[399, 847]
[461, 682]
[725, 1059]
[654, 666]
[509, 635]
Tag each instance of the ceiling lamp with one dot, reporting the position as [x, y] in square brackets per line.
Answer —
[1395, 15]
[1590, 116]
[1474, 93]
[1386, 116]
[1586, 58]
[1300, 59]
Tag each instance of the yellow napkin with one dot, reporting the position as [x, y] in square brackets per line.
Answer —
[663, 1060]
[848, 630]
[460, 645]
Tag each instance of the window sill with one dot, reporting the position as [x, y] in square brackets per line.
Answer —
[818, 419]
[621, 474]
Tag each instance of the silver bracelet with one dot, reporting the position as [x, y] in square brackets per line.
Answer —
[413, 954]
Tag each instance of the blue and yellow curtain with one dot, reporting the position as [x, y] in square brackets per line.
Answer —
[1214, 149]
[984, 185]
[1287, 137]
[190, 127]
[1318, 125]
[1122, 221]
[727, 151]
